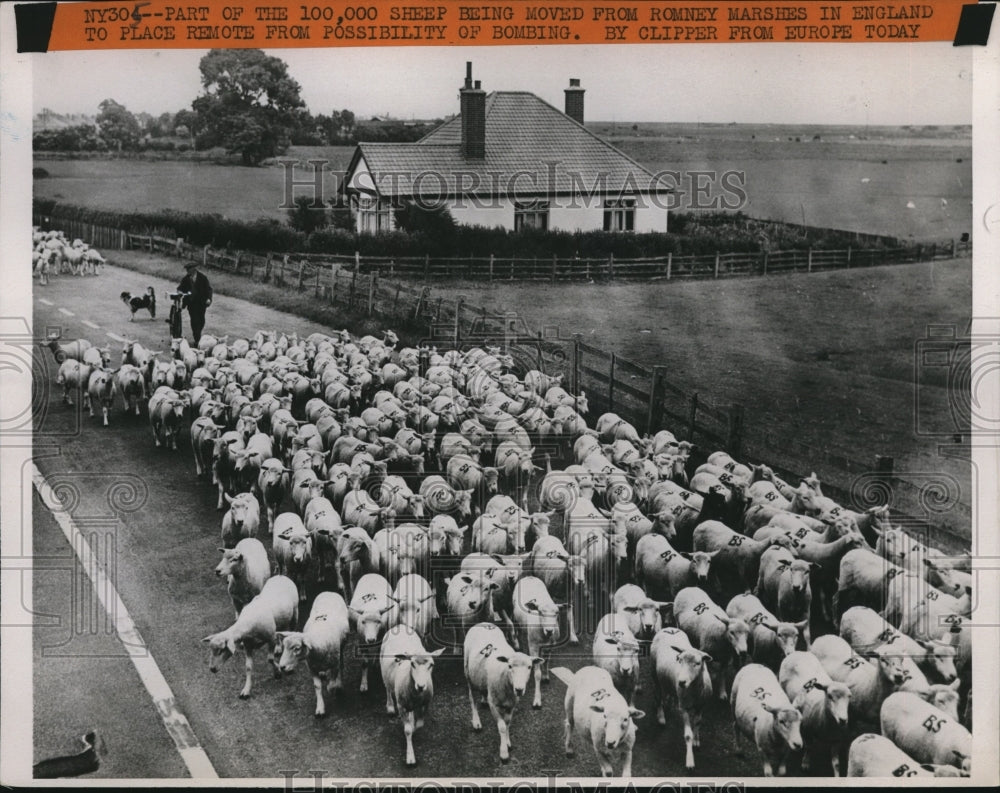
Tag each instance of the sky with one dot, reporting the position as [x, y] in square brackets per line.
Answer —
[918, 83]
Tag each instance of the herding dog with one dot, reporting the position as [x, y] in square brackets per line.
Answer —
[146, 301]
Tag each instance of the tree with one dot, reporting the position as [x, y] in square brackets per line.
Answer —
[117, 125]
[249, 104]
[305, 216]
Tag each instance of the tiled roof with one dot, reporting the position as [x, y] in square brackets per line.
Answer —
[531, 148]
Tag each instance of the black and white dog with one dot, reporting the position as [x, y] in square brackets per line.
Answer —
[146, 301]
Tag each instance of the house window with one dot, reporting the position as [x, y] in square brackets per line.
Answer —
[619, 214]
[531, 215]
[374, 214]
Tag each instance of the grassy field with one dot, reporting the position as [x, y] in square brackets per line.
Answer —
[864, 183]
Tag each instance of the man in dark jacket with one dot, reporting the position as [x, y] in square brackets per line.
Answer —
[199, 299]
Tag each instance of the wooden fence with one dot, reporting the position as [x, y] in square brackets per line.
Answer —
[642, 395]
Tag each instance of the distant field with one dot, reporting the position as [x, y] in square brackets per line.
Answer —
[836, 182]
[825, 359]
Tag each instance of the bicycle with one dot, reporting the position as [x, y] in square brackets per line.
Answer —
[176, 313]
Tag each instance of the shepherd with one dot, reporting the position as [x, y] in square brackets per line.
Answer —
[198, 298]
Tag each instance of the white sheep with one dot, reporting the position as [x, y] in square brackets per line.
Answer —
[616, 650]
[663, 571]
[770, 639]
[242, 519]
[321, 644]
[642, 613]
[407, 669]
[415, 607]
[783, 586]
[711, 630]
[246, 568]
[681, 672]
[275, 608]
[874, 755]
[369, 611]
[763, 712]
[595, 710]
[537, 619]
[924, 732]
[823, 703]
[494, 670]
[293, 551]
[865, 630]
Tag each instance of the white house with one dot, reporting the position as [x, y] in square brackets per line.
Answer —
[509, 159]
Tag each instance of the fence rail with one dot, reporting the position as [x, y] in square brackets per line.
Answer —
[640, 394]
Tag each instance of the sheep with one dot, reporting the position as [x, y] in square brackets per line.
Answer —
[616, 650]
[924, 732]
[396, 494]
[414, 601]
[293, 549]
[681, 672]
[629, 521]
[407, 669]
[321, 644]
[906, 592]
[536, 617]
[166, 412]
[594, 709]
[783, 586]
[496, 671]
[62, 351]
[241, 520]
[663, 571]
[369, 616]
[826, 556]
[441, 498]
[275, 608]
[642, 613]
[874, 755]
[357, 557]
[711, 630]
[823, 703]
[865, 630]
[863, 580]
[73, 375]
[273, 485]
[770, 639]
[560, 573]
[100, 390]
[737, 566]
[762, 711]
[246, 568]
[132, 387]
[469, 602]
[870, 683]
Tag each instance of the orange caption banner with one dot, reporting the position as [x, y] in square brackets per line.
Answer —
[280, 23]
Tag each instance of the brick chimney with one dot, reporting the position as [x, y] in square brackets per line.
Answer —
[473, 111]
[574, 100]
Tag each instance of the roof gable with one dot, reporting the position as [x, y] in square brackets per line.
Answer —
[531, 149]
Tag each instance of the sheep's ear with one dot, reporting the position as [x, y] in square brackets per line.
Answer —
[597, 708]
[207, 638]
[636, 714]
[676, 649]
[954, 685]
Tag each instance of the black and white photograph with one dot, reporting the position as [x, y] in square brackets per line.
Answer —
[523, 413]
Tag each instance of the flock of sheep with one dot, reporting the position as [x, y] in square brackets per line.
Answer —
[53, 253]
[813, 621]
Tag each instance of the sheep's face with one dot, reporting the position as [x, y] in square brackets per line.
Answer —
[291, 647]
[690, 666]
[618, 726]
[789, 724]
[788, 637]
[370, 626]
[944, 697]
[421, 670]
[520, 671]
[838, 699]
[649, 618]
[701, 563]
[230, 563]
[891, 666]
[220, 649]
[798, 574]
[241, 509]
[942, 657]
[736, 634]
[300, 546]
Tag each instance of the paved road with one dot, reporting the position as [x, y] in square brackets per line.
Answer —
[160, 530]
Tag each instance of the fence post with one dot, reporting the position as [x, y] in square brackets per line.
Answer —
[883, 472]
[692, 416]
[395, 303]
[302, 272]
[654, 399]
[458, 314]
[576, 363]
[354, 284]
[765, 262]
[670, 263]
[954, 247]
[848, 256]
[204, 256]
[491, 266]
[179, 250]
[124, 242]
[372, 286]
[357, 261]
[236, 261]
[427, 265]
[735, 437]
[809, 262]
[611, 382]
[611, 266]
[284, 262]
[554, 259]
[716, 264]
[318, 271]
